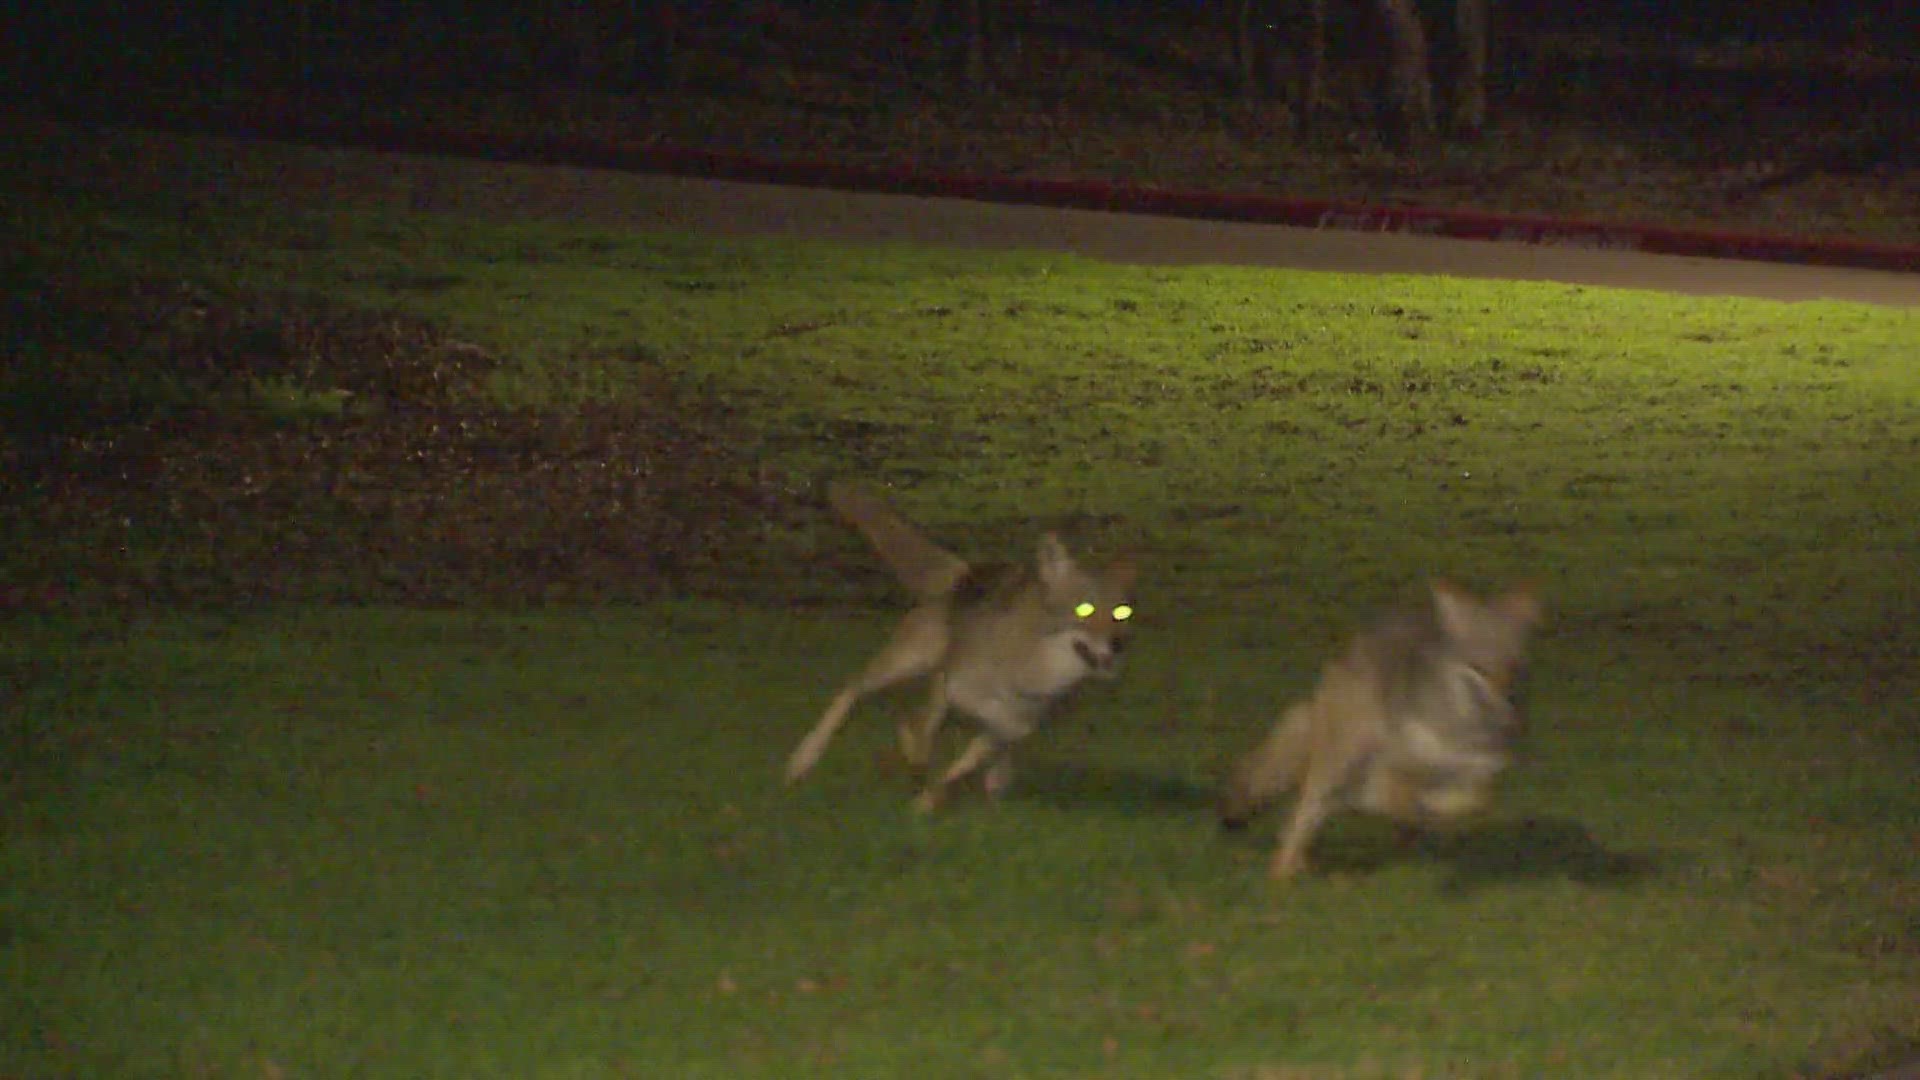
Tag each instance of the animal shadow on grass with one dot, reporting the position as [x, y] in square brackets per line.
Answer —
[1541, 847]
[1492, 852]
[1080, 786]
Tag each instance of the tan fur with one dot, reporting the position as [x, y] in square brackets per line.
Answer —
[1413, 723]
[1000, 648]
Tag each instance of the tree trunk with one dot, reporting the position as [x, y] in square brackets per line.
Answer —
[976, 42]
[1411, 83]
[660, 60]
[580, 41]
[1313, 95]
[1243, 53]
[926, 19]
[1470, 88]
[304, 42]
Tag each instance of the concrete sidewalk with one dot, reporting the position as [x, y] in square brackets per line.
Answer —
[128, 159]
[740, 208]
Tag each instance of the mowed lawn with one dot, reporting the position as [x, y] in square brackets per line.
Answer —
[298, 824]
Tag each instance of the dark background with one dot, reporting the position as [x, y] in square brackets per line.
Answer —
[219, 43]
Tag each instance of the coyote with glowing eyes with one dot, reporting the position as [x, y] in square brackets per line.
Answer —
[1001, 645]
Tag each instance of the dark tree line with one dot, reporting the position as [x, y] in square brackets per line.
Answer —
[1407, 88]
[1280, 48]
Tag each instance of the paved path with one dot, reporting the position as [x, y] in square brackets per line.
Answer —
[738, 208]
[351, 178]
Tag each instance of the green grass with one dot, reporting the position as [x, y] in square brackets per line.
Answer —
[309, 839]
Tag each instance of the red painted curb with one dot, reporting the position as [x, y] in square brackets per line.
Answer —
[585, 152]
[1306, 213]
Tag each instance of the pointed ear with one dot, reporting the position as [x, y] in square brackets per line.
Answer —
[1054, 562]
[1454, 607]
[1522, 604]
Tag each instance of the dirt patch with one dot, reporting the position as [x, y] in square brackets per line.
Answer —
[357, 474]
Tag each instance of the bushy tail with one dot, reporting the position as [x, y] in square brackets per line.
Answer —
[1271, 770]
[924, 567]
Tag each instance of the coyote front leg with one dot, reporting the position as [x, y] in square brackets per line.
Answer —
[915, 649]
[977, 753]
[917, 733]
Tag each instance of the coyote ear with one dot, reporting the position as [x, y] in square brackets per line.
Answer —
[1054, 562]
[1455, 608]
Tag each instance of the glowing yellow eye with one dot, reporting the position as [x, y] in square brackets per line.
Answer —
[1122, 613]
[1084, 609]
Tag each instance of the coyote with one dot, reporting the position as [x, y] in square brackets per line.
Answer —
[1413, 723]
[1001, 645]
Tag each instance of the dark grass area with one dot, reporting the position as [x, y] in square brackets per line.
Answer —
[201, 465]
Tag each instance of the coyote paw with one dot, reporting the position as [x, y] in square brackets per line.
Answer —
[927, 802]
[1284, 870]
[911, 752]
[801, 763]
[997, 780]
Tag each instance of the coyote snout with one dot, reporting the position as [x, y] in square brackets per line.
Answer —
[1102, 656]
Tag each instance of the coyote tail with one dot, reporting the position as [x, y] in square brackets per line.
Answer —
[1271, 770]
[924, 567]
